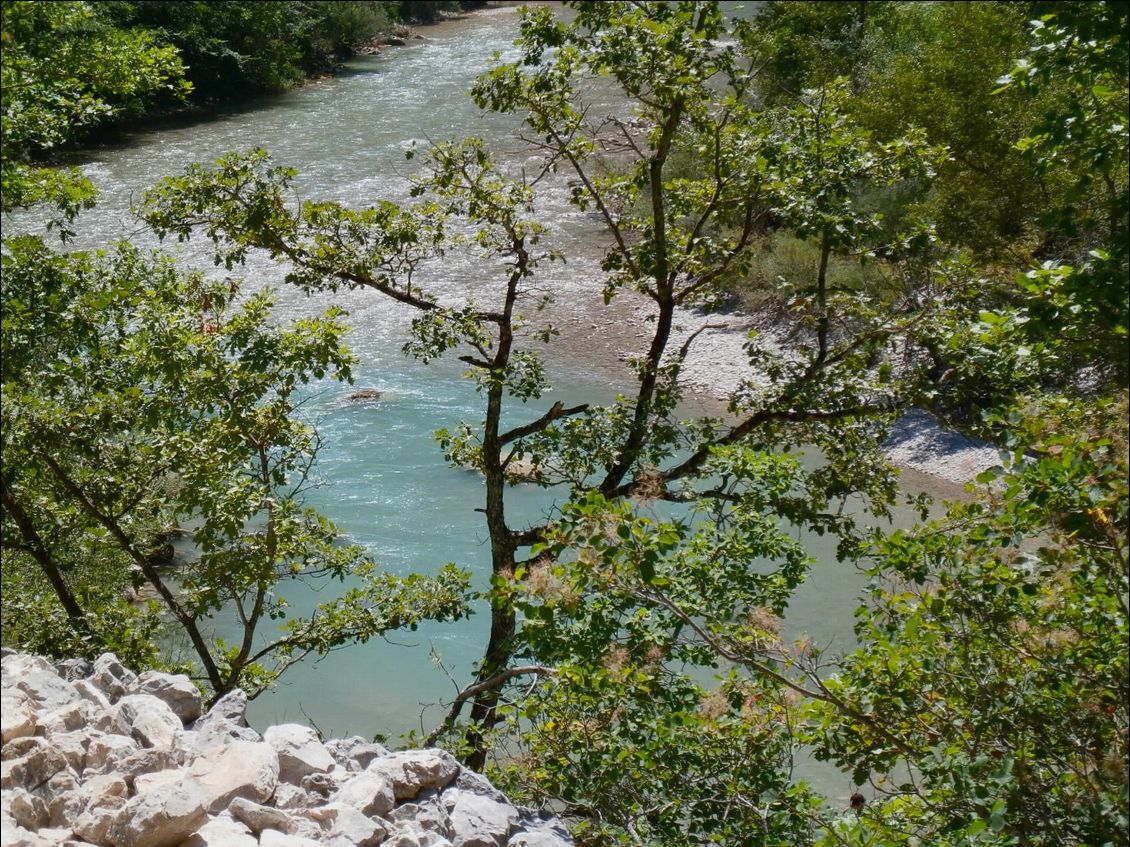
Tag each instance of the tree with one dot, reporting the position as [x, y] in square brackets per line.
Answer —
[64, 72]
[136, 399]
[673, 239]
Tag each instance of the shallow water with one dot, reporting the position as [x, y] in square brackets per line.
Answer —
[385, 482]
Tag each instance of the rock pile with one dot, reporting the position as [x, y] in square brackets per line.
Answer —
[95, 754]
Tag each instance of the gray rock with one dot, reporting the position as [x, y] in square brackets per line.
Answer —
[347, 827]
[56, 794]
[260, 818]
[73, 747]
[160, 818]
[476, 783]
[300, 752]
[231, 707]
[370, 792]
[219, 732]
[413, 771]
[143, 762]
[540, 838]
[148, 719]
[241, 769]
[92, 694]
[274, 838]
[27, 809]
[410, 835]
[289, 796]
[73, 716]
[222, 831]
[480, 821]
[106, 791]
[428, 812]
[74, 669]
[17, 715]
[105, 751]
[111, 677]
[322, 784]
[354, 754]
[46, 688]
[35, 762]
[14, 835]
[176, 690]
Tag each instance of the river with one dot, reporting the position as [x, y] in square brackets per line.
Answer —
[384, 480]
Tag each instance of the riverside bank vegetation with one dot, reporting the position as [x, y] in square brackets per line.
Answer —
[930, 197]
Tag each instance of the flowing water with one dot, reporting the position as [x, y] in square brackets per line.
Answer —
[385, 482]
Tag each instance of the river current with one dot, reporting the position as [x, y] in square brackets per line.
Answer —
[384, 479]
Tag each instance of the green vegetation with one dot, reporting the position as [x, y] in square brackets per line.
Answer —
[635, 678]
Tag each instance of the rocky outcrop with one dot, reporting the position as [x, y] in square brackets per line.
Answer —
[96, 754]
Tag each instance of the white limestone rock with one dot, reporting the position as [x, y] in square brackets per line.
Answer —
[355, 753]
[240, 769]
[106, 750]
[17, 715]
[30, 763]
[410, 835]
[428, 812]
[274, 838]
[369, 791]
[163, 817]
[300, 752]
[148, 719]
[345, 826]
[222, 831]
[413, 771]
[260, 818]
[27, 809]
[175, 690]
[111, 677]
[480, 821]
[69, 718]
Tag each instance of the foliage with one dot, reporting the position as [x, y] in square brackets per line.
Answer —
[993, 654]
[136, 399]
[63, 72]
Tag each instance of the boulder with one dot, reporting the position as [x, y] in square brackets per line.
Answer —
[46, 688]
[93, 695]
[241, 769]
[369, 791]
[430, 815]
[231, 707]
[300, 752]
[260, 818]
[162, 817]
[175, 690]
[222, 831]
[413, 771]
[17, 715]
[147, 719]
[74, 669]
[410, 835]
[73, 716]
[14, 835]
[345, 826]
[480, 821]
[105, 751]
[111, 677]
[106, 791]
[274, 838]
[36, 760]
[289, 796]
[354, 754]
[27, 809]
